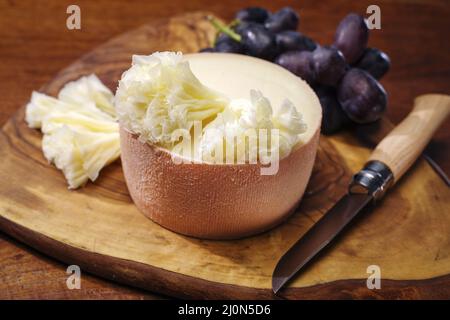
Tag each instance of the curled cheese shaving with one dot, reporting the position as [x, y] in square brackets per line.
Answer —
[159, 94]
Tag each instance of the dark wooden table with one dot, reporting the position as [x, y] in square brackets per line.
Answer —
[35, 44]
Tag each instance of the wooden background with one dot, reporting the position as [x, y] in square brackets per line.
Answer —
[35, 44]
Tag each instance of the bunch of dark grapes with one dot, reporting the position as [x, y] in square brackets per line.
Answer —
[344, 75]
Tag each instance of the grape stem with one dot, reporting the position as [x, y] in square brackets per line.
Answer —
[220, 27]
[234, 23]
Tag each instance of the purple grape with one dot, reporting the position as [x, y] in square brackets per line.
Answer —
[227, 45]
[257, 41]
[329, 65]
[284, 19]
[351, 37]
[299, 63]
[242, 26]
[292, 40]
[208, 49]
[375, 62]
[252, 14]
[361, 96]
[333, 117]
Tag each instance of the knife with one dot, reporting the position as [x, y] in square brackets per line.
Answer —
[392, 157]
[371, 134]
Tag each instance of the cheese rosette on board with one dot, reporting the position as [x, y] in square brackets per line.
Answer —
[80, 129]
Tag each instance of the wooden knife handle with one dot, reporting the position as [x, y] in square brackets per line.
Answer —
[403, 145]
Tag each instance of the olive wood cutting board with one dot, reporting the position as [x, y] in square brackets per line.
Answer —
[98, 227]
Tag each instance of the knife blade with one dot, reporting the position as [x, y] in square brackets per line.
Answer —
[318, 237]
[392, 157]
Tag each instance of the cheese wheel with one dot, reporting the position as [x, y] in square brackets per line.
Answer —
[225, 201]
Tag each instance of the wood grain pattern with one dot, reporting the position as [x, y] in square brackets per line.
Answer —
[99, 228]
[35, 45]
[403, 145]
[47, 279]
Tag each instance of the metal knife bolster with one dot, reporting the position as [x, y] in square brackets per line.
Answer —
[373, 179]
